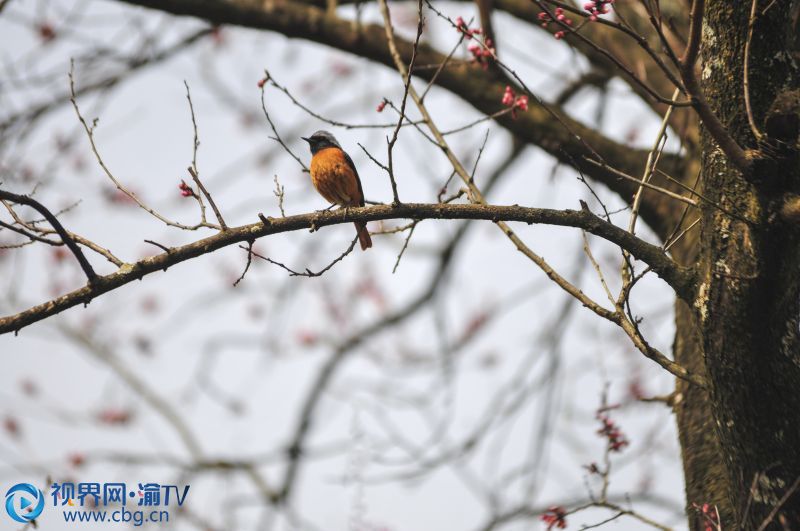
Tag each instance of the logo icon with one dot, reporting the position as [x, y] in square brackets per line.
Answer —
[24, 502]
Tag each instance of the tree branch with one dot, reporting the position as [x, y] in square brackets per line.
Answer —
[715, 128]
[59, 228]
[681, 279]
[483, 90]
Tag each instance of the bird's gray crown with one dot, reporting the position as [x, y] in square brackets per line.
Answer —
[321, 140]
[325, 137]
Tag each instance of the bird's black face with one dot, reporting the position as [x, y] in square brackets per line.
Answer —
[321, 140]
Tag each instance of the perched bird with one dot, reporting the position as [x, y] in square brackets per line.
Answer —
[334, 176]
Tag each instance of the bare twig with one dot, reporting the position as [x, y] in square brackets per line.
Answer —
[597, 268]
[441, 67]
[196, 178]
[160, 246]
[405, 246]
[477, 197]
[279, 193]
[611, 57]
[715, 128]
[249, 250]
[668, 193]
[746, 76]
[307, 272]
[336, 123]
[90, 134]
[774, 512]
[193, 171]
[406, 85]
[58, 227]
[650, 166]
[277, 137]
[32, 237]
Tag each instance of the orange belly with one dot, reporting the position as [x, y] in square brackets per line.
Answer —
[333, 178]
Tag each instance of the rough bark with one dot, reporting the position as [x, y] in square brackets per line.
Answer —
[704, 470]
[750, 286]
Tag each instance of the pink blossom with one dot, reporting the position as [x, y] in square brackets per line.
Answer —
[114, 416]
[597, 7]
[555, 517]
[616, 439]
[186, 190]
[508, 97]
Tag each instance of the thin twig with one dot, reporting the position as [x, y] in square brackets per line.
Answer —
[746, 77]
[378, 163]
[477, 197]
[493, 116]
[90, 134]
[668, 193]
[650, 165]
[611, 57]
[249, 250]
[440, 68]
[406, 86]
[32, 237]
[279, 193]
[596, 266]
[211, 202]
[160, 246]
[277, 136]
[308, 272]
[58, 227]
[193, 171]
[715, 128]
[774, 512]
[345, 125]
[652, 161]
[31, 227]
[405, 246]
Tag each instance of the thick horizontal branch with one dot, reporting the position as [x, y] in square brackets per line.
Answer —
[564, 138]
[681, 279]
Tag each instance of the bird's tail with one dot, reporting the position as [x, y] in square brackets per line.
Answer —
[363, 235]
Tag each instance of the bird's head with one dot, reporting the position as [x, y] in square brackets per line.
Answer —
[321, 140]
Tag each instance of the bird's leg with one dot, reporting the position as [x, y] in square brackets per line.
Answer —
[327, 209]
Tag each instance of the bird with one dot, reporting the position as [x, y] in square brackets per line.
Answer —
[335, 177]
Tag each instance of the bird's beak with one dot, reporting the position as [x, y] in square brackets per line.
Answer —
[306, 139]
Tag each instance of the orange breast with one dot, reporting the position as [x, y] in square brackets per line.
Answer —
[333, 178]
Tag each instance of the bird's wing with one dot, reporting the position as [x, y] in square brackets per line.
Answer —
[358, 179]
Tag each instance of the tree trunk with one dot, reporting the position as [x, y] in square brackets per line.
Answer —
[744, 324]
